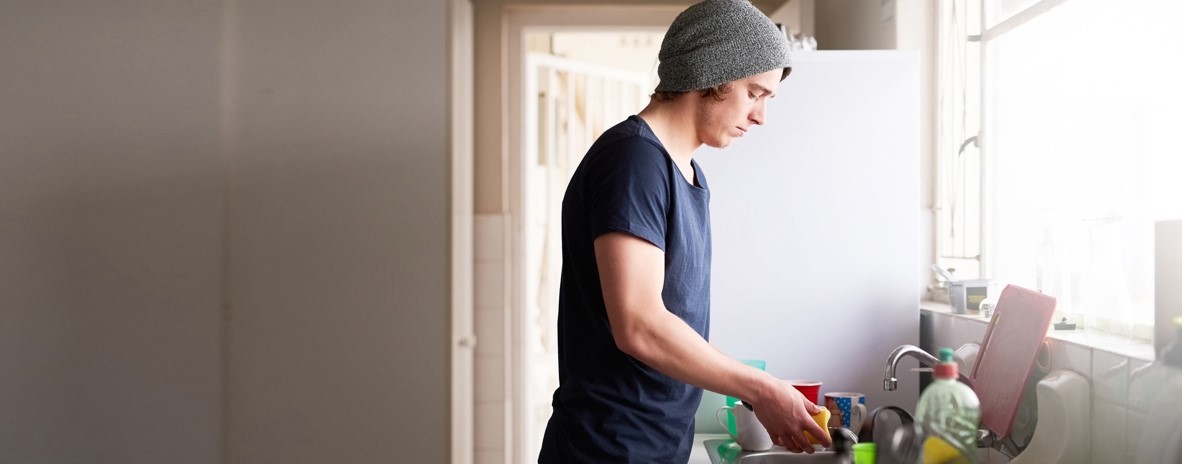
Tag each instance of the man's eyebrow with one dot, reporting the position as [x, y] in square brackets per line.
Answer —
[765, 90]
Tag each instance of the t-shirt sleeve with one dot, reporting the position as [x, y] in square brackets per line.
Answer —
[628, 191]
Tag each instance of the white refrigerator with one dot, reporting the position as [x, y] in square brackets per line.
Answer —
[815, 219]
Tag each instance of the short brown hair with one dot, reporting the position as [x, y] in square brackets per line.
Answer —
[718, 92]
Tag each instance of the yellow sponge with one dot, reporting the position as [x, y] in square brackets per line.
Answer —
[822, 419]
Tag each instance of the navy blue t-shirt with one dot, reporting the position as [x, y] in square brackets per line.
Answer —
[610, 407]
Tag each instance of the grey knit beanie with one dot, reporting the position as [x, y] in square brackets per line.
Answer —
[719, 41]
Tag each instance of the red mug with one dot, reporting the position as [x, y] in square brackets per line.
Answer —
[811, 389]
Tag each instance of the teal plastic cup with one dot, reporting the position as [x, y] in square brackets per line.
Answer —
[731, 401]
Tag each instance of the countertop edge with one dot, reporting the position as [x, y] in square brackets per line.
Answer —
[1093, 339]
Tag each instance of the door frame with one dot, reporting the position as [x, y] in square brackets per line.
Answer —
[461, 73]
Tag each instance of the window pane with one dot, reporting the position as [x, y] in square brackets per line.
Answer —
[1082, 100]
[997, 11]
[959, 226]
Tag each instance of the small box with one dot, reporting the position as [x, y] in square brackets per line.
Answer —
[967, 294]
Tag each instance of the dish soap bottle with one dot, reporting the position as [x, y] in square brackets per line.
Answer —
[950, 414]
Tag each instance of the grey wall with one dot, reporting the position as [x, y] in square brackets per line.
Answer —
[159, 158]
[856, 24]
[339, 233]
[109, 232]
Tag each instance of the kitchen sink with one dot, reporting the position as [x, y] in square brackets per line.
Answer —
[725, 451]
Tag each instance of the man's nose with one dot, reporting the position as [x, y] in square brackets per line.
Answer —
[757, 113]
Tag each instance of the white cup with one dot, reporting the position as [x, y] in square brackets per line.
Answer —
[750, 434]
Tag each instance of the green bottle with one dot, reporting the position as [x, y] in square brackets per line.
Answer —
[950, 414]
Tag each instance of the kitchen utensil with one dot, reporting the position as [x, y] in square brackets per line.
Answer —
[1006, 359]
[898, 439]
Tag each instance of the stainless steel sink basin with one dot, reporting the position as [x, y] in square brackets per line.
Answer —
[725, 451]
[785, 457]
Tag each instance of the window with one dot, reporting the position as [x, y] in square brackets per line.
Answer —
[1057, 153]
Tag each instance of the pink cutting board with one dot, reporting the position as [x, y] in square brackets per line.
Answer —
[1012, 340]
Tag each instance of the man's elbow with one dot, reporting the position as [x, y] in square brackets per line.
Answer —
[634, 342]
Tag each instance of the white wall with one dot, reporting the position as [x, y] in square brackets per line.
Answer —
[812, 249]
[143, 184]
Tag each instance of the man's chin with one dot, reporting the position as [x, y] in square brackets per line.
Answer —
[719, 143]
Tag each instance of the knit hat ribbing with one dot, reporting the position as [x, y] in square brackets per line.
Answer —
[718, 41]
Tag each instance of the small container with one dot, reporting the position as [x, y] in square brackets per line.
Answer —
[986, 306]
[864, 453]
[731, 401]
[967, 294]
[989, 304]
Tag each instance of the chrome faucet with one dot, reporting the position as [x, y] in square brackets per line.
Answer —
[890, 383]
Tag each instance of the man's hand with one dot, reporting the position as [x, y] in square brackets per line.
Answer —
[787, 414]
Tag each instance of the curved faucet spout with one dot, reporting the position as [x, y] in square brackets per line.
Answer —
[890, 383]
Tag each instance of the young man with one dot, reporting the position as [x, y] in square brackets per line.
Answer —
[635, 292]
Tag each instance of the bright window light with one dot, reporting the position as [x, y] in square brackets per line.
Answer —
[1081, 104]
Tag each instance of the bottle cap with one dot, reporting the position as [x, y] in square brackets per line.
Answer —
[947, 369]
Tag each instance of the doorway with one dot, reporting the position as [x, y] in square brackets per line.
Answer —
[576, 85]
[511, 335]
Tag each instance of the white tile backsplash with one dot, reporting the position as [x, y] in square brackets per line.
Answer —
[490, 457]
[491, 372]
[490, 425]
[490, 237]
[490, 334]
[1108, 432]
[1069, 356]
[491, 413]
[1135, 365]
[489, 283]
[1134, 423]
[1110, 377]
